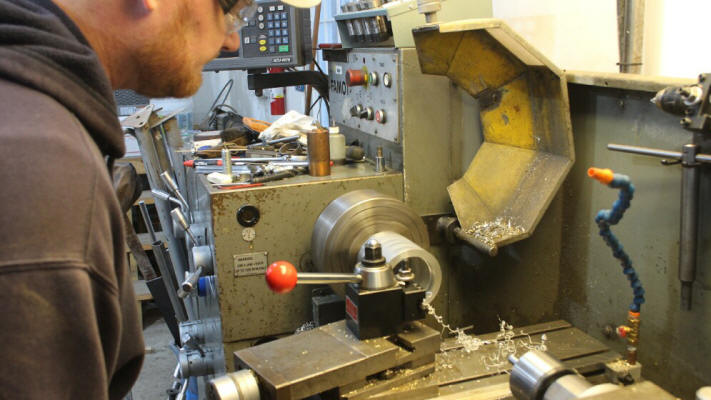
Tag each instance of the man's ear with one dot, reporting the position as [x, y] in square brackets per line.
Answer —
[150, 5]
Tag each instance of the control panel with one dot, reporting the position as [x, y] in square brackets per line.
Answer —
[364, 91]
[278, 36]
[268, 33]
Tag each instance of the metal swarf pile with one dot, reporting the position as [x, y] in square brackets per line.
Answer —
[496, 358]
[492, 231]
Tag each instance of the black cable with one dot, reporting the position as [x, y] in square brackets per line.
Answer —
[212, 114]
[328, 104]
[325, 100]
[227, 106]
[312, 105]
[319, 67]
[229, 83]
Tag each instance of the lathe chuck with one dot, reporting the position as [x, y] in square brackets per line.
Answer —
[351, 219]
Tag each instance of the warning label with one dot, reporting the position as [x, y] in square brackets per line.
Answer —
[351, 309]
[250, 263]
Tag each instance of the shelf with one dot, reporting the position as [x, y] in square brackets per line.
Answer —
[141, 290]
[146, 196]
[145, 239]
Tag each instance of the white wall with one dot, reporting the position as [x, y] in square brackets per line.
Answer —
[675, 33]
[582, 34]
[574, 34]
[241, 98]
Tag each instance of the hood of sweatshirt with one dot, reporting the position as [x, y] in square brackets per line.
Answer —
[41, 48]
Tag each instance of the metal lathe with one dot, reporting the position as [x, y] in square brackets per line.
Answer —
[466, 131]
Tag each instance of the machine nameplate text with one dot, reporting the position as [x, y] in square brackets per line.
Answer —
[250, 263]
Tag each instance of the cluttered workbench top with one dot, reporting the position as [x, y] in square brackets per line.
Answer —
[348, 171]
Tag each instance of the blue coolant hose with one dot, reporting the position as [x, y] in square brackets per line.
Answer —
[605, 218]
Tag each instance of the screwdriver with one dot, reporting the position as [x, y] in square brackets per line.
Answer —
[218, 161]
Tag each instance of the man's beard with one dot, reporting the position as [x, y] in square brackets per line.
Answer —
[164, 66]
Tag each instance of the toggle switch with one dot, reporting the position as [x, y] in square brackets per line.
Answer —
[356, 110]
[367, 113]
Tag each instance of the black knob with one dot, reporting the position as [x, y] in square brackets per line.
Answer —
[373, 251]
[373, 254]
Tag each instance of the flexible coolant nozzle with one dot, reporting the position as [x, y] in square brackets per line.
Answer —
[602, 175]
[606, 218]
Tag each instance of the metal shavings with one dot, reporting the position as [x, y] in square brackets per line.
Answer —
[491, 231]
[504, 341]
[305, 327]
[469, 343]
[506, 345]
[620, 367]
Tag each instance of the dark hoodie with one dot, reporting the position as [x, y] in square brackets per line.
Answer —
[69, 326]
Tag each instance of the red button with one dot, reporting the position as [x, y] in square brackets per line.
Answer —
[355, 77]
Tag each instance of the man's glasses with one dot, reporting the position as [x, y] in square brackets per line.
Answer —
[238, 17]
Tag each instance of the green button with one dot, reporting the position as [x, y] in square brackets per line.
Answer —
[283, 48]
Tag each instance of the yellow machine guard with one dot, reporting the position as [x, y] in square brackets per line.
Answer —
[525, 115]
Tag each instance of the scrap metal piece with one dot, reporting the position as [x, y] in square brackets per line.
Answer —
[528, 143]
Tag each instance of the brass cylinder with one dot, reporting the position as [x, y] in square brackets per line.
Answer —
[632, 337]
[319, 152]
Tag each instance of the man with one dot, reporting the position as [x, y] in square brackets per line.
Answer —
[69, 320]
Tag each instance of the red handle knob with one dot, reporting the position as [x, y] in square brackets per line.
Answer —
[281, 276]
[355, 77]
